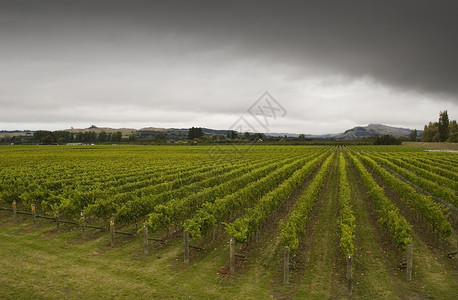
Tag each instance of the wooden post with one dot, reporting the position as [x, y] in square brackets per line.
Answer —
[456, 256]
[349, 274]
[286, 265]
[14, 211]
[145, 239]
[83, 226]
[231, 255]
[57, 220]
[112, 232]
[409, 263]
[34, 215]
[186, 246]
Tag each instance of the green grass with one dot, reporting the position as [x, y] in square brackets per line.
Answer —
[39, 263]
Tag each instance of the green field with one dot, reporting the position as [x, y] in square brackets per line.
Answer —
[323, 202]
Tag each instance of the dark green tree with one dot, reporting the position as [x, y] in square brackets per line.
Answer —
[443, 126]
[48, 139]
[109, 137]
[195, 133]
[132, 137]
[63, 136]
[413, 135]
[386, 140]
[260, 136]
[159, 137]
[430, 133]
[79, 137]
[453, 135]
[102, 137]
[91, 136]
[232, 135]
[40, 134]
[116, 137]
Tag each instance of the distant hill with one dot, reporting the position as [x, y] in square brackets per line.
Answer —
[372, 129]
[215, 131]
[125, 131]
[276, 134]
[355, 133]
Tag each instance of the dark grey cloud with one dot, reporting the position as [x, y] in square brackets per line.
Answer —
[407, 44]
[104, 52]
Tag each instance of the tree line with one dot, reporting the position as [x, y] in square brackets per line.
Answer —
[63, 136]
[441, 131]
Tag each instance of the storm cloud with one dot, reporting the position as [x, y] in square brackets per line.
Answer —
[331, 64]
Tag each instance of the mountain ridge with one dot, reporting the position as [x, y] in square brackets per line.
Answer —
[354, 133]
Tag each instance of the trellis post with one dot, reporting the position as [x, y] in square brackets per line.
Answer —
[186, 246]
[409, 262]
[349, 274]
[112, 232]
[57, 220]
[145, 239]
[34, 215]
[14, 211]
[232, 255]
[83, 225]
[286, 265]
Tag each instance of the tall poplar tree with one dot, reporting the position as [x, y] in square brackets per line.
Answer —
[443, 126]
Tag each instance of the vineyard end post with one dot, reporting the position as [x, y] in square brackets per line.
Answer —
[145, 239]
[409, 262]
[112, 232]
[14, 212]
[186, 246]
[349, 274]
[286, 265]
[232, 255]
[34, 215]
[57, 220]
[83, 226]
[456, 256]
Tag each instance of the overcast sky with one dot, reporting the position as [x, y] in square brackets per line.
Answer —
[329, 65]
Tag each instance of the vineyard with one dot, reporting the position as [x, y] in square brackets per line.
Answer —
[228, 222]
